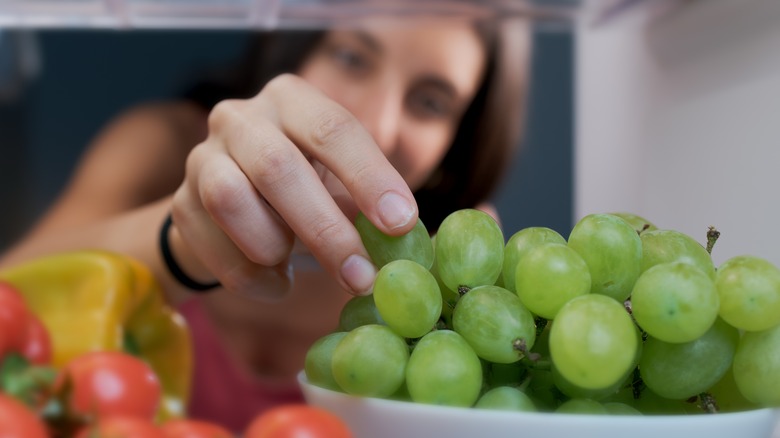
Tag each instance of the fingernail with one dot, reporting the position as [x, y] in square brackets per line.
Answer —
[394, 210]
[359, 274]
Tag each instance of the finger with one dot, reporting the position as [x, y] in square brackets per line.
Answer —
[331, 135]
[280, 171]
[337, 191]
[238, 209]
[196, 233]
[214, 248]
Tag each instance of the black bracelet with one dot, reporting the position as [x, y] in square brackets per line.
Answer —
[173, 267]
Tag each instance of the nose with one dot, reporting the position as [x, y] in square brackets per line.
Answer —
[380, 111]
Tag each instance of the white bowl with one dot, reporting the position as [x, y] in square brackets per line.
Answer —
[377, 418]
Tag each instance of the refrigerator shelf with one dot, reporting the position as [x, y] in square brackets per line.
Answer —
[258, 14]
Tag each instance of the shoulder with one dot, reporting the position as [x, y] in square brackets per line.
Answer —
[139, 155]
[178, 117]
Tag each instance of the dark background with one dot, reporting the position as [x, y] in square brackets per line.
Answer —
[86, 77]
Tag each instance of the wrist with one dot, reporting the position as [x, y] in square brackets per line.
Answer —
[187, 271]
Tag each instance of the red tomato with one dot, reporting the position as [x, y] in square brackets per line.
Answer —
[13, 318]
[295, 421]
[188, 428]
[110, 383]
[121, 427]
[16, 420]
[36, 345]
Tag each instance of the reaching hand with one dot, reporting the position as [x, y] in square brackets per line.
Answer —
[286, 165]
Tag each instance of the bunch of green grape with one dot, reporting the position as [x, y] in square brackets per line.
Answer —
[620, 317]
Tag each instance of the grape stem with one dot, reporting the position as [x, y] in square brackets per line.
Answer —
[712, 237]
[538, 363]
[629, 308]
[521, 346]
[637, 384]
[441, 324]
[525, 382]
[708, 403]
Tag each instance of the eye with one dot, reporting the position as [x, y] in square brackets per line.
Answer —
[430, 104]
[349, 58]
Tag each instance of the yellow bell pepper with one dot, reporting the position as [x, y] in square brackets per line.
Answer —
[95, 300]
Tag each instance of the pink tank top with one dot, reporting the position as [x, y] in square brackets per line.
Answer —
[221, 391]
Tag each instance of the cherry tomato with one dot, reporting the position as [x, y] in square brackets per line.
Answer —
[13, 318]
[189, 428]
[297, 420]
[121, 427]
[16, 420]
[36, 345]
[110, 383]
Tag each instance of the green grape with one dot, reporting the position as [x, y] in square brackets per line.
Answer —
[593, 341]
[542, 343]
[494, 322]
[749, 290]
[317, 363]
[448, 296]
[358, 311]
[650, 403]
[444, 370]
[683, 370]
[757, 366]
[383, 249]
[640, 345]
[573, 391]
[582, 406]
[675, 302]
[613, 252]
[445, 321]
[541, 389]
[370, 361]
[503, 374]
[519, 244]
[637, 222]
[665, 246]
[550, 275]
[617, 408]
[407, 297]
[402, 394]
[506, 398]
[728, 396]
[469, 250]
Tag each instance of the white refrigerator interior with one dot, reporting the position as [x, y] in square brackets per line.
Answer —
[253, 14]
[678, 118]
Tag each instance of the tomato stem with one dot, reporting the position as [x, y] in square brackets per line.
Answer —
[25, 382]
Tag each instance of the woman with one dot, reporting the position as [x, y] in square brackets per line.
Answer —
[395, 121]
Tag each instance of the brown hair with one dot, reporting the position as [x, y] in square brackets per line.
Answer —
[488, 135]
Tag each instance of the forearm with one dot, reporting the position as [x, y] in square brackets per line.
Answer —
[134, 233]
[118, 197]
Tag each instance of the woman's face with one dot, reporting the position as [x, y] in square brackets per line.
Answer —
[407, 84]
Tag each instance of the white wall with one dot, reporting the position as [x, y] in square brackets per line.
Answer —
[678, 119]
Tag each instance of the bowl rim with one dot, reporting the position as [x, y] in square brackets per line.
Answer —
[368, 401]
